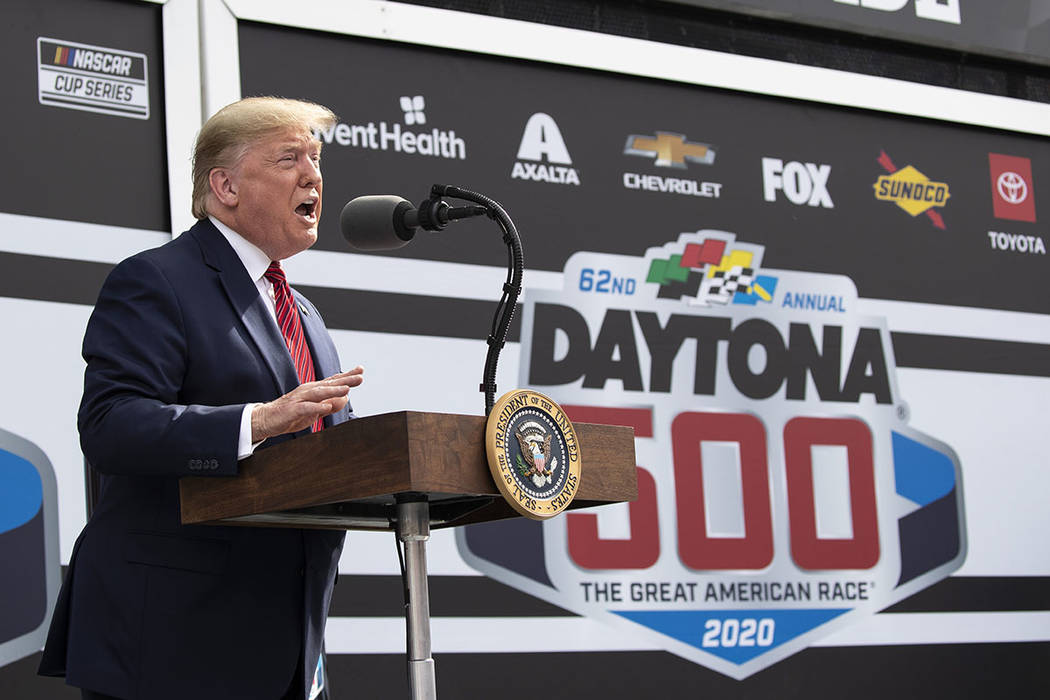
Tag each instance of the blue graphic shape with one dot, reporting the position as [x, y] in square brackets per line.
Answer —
[923, 474]
[724, 630]
[21, 491]
[766, 283]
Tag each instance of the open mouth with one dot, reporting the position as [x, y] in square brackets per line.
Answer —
[306, 209]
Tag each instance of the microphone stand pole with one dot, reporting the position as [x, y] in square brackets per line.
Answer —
[413, 509]
[413, 531]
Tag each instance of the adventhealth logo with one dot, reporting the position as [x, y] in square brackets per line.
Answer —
[542, 155]
[384, 136]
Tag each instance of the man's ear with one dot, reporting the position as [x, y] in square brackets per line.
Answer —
[223, 186]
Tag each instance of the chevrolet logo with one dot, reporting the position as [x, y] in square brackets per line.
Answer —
[670, 150]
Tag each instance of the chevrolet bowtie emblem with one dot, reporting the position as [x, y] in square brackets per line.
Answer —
[670, 150]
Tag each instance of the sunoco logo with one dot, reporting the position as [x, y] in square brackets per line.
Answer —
[392, 136]
[782, 494]
[910, 190]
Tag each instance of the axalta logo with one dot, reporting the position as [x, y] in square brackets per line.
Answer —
[670, 150]
[911, 190]
[1013, 195]
[938, 10]
[391, 136]
[800, 183]
[781, 493]
[542, 155]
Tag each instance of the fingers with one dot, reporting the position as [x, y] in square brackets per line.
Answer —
[352, 377]
[303, 405]
[318, 391]
[335, 404]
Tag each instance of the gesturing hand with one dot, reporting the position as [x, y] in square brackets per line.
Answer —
[301, 406]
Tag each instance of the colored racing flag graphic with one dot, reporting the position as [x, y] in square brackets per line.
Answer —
[707, 273]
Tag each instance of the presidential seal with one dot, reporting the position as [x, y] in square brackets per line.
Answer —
[533, 454]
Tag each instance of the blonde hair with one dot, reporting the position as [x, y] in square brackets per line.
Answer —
[226, 136]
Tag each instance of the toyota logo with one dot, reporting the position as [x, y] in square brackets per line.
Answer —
[1012, 187]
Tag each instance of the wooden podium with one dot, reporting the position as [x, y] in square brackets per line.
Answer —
[407, 472]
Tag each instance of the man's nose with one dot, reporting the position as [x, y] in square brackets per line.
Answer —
[311, 174]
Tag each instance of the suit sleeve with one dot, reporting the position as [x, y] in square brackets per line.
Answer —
[131, 420]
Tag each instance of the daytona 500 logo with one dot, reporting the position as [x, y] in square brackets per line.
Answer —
[782, 494]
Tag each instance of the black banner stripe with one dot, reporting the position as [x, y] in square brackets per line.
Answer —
[922, 351]
[77, 282]
[51, 279]
[858, 673]
[450, 596]
[479, 596]
[410, 314]
[361, 595]
[979, 594]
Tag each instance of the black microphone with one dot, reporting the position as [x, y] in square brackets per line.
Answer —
[387, 222]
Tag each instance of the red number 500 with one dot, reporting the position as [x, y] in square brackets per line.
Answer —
[754, 551]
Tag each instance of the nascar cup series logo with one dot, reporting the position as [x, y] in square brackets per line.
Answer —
[92, 78]
[782, 494]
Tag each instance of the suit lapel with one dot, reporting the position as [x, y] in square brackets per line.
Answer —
[322, 350]
[247, 304]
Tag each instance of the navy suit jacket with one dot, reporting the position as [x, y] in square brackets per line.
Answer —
[178, 343]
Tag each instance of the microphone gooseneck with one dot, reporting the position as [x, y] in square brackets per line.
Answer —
[511, 287]
[387, 222]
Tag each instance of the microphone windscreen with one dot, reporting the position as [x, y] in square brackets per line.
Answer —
[376, 222]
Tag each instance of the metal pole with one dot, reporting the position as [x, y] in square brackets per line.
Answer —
[413, 529]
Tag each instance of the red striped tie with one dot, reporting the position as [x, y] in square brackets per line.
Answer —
[292, 328]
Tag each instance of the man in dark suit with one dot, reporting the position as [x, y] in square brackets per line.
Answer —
[195, 358]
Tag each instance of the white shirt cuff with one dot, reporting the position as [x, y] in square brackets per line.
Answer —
[245, 447]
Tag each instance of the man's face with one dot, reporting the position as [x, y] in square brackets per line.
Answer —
[278, 185]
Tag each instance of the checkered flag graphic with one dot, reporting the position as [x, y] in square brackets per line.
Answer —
[720, 287]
